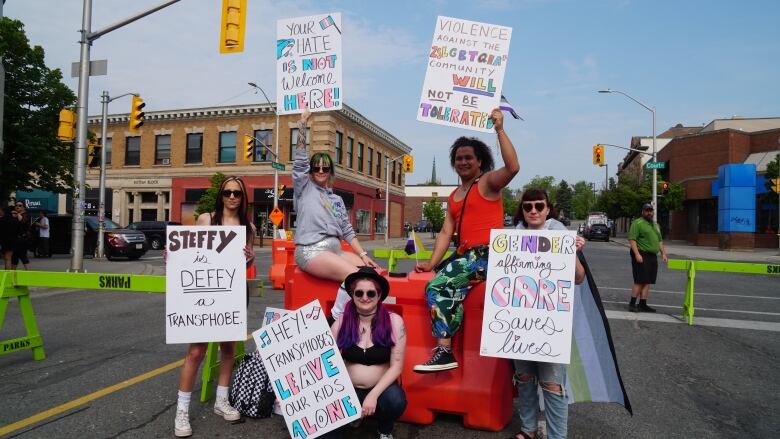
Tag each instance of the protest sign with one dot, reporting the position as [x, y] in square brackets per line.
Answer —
[529, 295]
[308, 374]
[205, 280]
[272, 314]
[466, 65]
[308, 63]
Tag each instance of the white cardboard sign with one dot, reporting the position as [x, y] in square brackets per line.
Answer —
[529, 295]
[308, 374]
[308, 64]
[205, 280]
[465, 75]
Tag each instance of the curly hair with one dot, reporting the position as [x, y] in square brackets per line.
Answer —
[481, 151]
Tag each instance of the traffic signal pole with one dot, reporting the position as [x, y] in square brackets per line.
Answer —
[80, 153]
[387, 194]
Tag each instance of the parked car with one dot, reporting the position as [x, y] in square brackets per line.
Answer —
[117, 241]
[154, 231]
[594, 218]
[423, 226]
[598, 231]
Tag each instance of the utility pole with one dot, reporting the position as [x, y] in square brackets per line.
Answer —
[2, 94]
[276, 151]
[387, 193]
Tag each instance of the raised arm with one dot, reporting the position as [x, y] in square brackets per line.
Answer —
[499, 178]
[300, 174]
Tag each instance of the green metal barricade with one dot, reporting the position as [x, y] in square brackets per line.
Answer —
[393, 256]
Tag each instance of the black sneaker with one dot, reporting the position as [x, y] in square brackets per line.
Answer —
[643, 307]
[442, 359]
[632, 307]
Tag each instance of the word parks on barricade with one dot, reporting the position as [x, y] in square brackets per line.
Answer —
[308, 64]
[205, 279]
[529, 295]
[308, 374]
[466, 66]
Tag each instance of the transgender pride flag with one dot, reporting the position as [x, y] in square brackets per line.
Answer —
[328, 22]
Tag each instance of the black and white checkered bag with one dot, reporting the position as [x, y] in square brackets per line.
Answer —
[251, 393]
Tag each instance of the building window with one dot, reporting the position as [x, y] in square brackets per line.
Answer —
[350, 151]
[294, 140]
[227, 147]
[392, 178]
[261, 153]
[360, 156]
[107, 150]
[379, 165]
[162, 149]
[379, 222]
[339, 147]
[133, 151]
[194, 148]
[370, 161]
[363, 222]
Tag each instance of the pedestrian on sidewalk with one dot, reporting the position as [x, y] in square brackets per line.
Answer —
[23, 235]
[8, 230]
[644, 237]
[43, 235]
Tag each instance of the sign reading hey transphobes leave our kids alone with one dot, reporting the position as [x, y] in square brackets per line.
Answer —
[308, 374]
[205, 280]
[529, 295]
[308, 64]
[466, 65]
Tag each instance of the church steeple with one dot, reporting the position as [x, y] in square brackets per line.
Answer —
[434, 181]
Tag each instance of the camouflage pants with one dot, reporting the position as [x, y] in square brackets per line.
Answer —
[447, 290]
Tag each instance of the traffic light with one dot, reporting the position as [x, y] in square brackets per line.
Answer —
[598, 155]
[233, 26]
[282, 187]
[664, 187]
[249, 147]
[93, 155]
[67, 130]
[408, 164]
[776, 185]
[378, 193]
[137, 114]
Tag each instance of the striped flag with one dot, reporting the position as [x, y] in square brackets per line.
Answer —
[593, 372]
[506, 106]
[328, 22]
[413, 244]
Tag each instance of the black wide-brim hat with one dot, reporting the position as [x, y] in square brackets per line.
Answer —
[367, 272]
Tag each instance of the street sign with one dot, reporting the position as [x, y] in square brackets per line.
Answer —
[276, 216]
[655, 165]
[98, 67]
[277, 166]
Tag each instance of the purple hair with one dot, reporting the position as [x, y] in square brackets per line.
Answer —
[381, 328]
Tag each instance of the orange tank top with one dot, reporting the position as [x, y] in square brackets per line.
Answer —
[481, 216]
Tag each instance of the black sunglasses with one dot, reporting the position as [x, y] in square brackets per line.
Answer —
[528, 207]
[227, 193]
[322, 169]
[359, 294]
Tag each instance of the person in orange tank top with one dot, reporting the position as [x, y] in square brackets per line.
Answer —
[478, 201]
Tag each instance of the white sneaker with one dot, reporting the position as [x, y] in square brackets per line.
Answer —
[223, 408]
[385, 436]
[181, 427]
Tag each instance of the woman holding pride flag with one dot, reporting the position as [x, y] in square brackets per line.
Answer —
[372, 341]
[322, 220]
[230, 210]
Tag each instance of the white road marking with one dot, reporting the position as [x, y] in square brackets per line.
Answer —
[695, 293]
[697, 321]
[655, 305]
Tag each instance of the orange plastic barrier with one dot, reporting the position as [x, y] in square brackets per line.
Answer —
[480, 389]
[283, 256]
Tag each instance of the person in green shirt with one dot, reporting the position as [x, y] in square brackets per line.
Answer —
[644, 236]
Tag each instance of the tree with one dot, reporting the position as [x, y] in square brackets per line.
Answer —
[545, 183]
[510, 200]
[434, 213]
[583, 199]
[770, 196]
[208, 201]
[34, 96]
[564, 196]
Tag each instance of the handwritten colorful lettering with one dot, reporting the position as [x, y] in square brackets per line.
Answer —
[529, 295]
[466, 65]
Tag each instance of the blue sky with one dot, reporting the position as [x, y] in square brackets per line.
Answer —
[693, 60]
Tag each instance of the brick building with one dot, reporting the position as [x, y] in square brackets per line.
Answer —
[161, 172]
[418, 195]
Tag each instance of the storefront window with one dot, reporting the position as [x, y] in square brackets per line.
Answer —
[379, 222]
[363, 222]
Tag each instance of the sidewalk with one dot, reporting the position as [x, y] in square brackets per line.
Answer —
[682, 250]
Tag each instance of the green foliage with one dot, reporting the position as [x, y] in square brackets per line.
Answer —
[34, 96]
[564, 197]
[208, 201]
[629, 194]
[546, 183]
[434, 212]
[583, 200]
[771, 172]
[510, 199]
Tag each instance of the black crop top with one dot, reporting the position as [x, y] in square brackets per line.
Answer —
[370, 356]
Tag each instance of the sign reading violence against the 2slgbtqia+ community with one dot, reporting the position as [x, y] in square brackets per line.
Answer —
[308, 63]
[308, 374]
[529, 295]
[466, 66]
[205, 280]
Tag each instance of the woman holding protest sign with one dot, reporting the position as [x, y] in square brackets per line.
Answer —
[372, 341]
[322, 220]
[536, 213]
[230, 210]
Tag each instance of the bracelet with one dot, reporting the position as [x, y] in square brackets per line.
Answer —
[363, 253]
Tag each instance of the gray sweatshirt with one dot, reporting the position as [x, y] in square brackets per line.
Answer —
[321, 213]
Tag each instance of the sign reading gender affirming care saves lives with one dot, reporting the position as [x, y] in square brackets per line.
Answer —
[308, 374]
[205, 280]
[529, 295]
[466, 65]
[308, 63]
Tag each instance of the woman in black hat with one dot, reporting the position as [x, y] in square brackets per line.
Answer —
[372, 341]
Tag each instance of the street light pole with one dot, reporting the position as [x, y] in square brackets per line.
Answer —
[387, 193]
[276, 151]
[655, 171]
[606, 176]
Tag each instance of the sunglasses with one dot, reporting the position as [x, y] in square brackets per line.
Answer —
[528, 207]
[20, 205]
[321, 169]
[359, 294]
[227, 193]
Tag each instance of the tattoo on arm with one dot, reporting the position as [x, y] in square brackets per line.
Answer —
[301, 135]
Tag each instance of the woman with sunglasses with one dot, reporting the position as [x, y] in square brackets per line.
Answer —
[372, 341]
[230, 210]
[322, 220]
[536, 213]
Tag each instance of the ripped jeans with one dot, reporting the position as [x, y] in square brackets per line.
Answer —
[528, 376]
